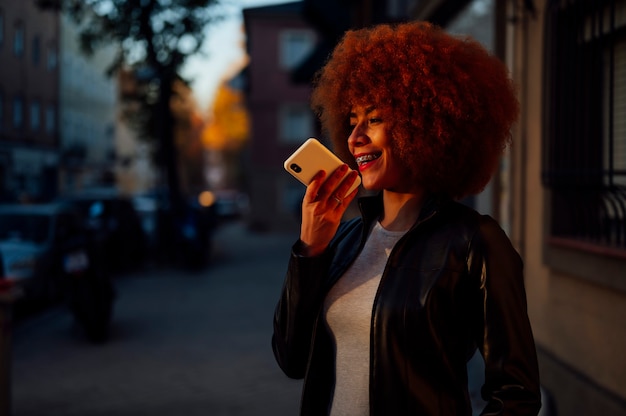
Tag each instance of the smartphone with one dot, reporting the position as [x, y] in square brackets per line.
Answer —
[312, 157]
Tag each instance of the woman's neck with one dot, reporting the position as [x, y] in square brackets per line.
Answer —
[400, 210]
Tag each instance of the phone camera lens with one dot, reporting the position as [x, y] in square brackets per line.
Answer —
[295, 168]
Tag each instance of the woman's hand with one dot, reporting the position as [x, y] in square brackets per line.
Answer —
[323, 207]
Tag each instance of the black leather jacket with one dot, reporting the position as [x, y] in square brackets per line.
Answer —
[452, 284]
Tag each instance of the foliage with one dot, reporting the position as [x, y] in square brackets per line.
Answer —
[229, 124]
[187, 137]
[154, 37]
[155, 33]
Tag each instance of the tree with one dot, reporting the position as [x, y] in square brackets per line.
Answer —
[229, 122]
[155, 38]
[188, 127]
[224, 135]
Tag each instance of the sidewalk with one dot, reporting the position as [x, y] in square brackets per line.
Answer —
[182, 343]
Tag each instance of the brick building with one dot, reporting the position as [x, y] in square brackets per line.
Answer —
[29, 100]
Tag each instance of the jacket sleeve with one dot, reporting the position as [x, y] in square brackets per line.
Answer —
[506, 341]
[297, 310]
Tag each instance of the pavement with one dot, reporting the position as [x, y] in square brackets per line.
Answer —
[182, 343]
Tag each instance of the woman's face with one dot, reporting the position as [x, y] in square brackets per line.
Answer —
[370, 144]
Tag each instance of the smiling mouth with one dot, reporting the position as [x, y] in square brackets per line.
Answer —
[364, 159]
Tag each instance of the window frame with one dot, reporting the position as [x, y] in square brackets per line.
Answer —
[286, 134]
[17, 112]
[35, 115]
[52, 58]
[50, 119]
[286, 58]
[587, 203]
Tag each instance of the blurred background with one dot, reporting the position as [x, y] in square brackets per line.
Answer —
[133, 133]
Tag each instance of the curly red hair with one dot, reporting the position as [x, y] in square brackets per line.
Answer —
[450, 103]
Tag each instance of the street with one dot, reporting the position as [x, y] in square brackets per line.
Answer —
[182, 343]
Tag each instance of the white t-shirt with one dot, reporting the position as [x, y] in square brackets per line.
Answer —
[348, 314]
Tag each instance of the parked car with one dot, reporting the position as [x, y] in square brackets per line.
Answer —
[39, 245]
[46, 252]
[115, 225]
[185, 237]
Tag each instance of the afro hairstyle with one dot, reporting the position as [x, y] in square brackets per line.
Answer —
[448, 102]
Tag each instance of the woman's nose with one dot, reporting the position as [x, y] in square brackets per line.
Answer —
[357, 136]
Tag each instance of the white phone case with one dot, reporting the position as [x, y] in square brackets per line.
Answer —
[312, 157]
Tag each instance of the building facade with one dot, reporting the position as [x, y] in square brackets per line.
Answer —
[87, 107]
[278, 40]
[569, 199]
[134, 169]
[58, 107]
[29, 101]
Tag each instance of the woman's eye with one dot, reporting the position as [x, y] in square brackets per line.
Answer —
[375, 120]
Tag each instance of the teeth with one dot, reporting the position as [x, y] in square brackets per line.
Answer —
[366, 158]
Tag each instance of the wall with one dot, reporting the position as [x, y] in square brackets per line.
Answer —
[28, 153]
[577, 318]
[272, 191]
[87, 107]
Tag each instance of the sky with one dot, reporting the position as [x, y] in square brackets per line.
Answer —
[222, 51]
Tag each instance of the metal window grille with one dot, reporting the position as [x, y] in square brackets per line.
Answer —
[584, 147]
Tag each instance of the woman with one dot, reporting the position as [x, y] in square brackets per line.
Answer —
[380, 314]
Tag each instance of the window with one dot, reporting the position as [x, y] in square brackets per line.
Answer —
[296, 123]
[35, 117]
[50, 119]
[1, 113]
[18, 112]
[614, 157]
[36, 50]
[1, 27]
[584, 163]
[18, 40]
[295, 46]
[52, 60]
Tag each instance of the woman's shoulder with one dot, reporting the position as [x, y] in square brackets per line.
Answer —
[468, 214]
[483, 225]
